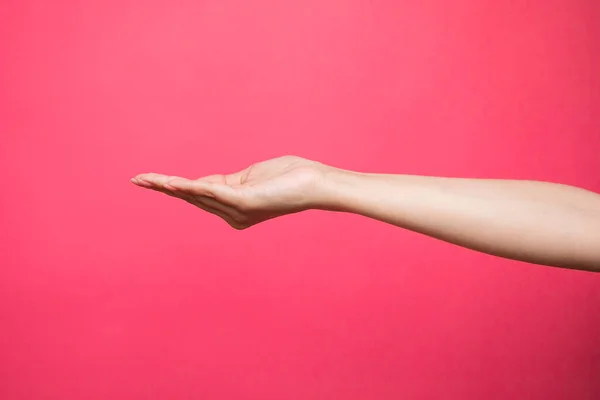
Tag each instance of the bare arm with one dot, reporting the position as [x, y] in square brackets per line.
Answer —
[537, 222]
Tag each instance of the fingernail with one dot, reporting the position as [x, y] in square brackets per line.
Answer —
[169, 187]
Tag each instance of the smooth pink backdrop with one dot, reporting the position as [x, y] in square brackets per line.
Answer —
[111, 292]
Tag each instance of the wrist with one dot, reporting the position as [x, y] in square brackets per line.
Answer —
[337, 189]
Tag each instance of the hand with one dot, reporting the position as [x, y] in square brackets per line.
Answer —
[260, 192]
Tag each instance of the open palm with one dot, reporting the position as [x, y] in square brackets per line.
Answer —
[262, 191]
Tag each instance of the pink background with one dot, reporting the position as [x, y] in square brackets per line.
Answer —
[111, 292]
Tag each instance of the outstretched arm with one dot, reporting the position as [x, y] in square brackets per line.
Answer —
[537, 222]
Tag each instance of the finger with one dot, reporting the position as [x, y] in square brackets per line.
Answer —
[204, 194]
[228, 214]
[179, 195]
[153, 179]
[213, 179]
[224, 216]
[204, 201]
[161, 183]
[197, 187]
[221, 197]
[224, 208]
[155, 183]
[218, 191]
[208, 209]
[197, 199]
[139, 182]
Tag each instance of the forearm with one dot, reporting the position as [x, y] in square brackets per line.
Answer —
[537, 222]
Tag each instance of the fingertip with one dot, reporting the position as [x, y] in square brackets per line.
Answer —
[139, 178]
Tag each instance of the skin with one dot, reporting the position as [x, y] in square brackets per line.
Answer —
[536, 222]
